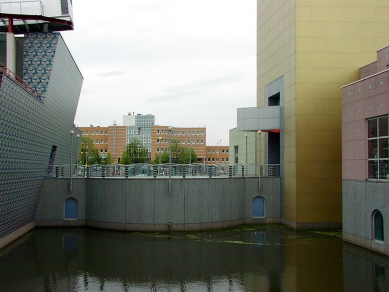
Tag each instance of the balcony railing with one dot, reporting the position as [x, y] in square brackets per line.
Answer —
[5, 71]
[163, 170]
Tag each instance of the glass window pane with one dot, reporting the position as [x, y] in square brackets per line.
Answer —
[372, 146]
[383, 148]
[372, 128]
[373, 169]
[384, 169]
[383, 126]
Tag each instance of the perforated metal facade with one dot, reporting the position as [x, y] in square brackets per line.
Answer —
[30, 126]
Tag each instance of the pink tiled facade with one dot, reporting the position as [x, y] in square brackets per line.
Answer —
[364, 99]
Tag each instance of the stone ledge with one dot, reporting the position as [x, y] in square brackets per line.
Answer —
[15, 235]
[379, 247]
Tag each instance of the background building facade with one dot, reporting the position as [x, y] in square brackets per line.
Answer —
[244, 147]
[218, 154]
[117, 137]
[193, 138]
[99, 135]
[111, 139]
[139, 127]
[114, 139]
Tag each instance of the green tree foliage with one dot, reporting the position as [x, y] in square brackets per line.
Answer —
[94, 157]
[86, 147]
[135, 153]
[108, 158]
[180, 155]
[164, 158]
[125, 158]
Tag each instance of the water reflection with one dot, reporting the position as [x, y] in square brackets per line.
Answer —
[255, 259]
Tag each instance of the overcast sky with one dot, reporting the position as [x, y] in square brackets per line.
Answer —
[190, 63]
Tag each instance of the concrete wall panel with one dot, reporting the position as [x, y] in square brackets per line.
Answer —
[360, 200]
[169, 207]
[105, 200]
[147, 205]
[140, 205]
[197, 201]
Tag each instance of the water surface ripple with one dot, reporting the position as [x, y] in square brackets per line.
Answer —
[250, 258]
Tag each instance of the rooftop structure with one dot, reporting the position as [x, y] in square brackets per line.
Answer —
[25, 16]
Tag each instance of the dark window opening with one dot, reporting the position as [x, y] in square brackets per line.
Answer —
[378, 226]
[274, 100]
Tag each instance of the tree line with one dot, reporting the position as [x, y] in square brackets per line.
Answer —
[135, 152]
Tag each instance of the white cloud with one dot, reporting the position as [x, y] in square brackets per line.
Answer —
[190, 63]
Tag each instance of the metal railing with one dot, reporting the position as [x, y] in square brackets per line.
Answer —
[5, 71]
[163, 170]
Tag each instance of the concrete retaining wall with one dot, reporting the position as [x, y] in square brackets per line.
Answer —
[146, 204]
[360, 200]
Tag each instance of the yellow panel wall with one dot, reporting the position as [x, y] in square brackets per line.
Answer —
[320, 46]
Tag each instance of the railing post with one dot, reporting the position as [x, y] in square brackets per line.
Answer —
[242, 170]
[184, 171]
[210, 171]
[63, 171]
[155, 171]
[103, 171]
[87, 171]
[126, 171]
[230, 170]
[57, 171]
[271, 170]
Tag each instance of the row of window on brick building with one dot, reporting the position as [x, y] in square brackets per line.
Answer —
[182, 141]
[95, 133]
[190, 133]
[217, 151]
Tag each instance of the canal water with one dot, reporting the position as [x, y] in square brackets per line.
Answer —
[259, 258]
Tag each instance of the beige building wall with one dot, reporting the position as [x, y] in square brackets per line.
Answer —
[318, 46]
[217, 154]
[237, 150]
[117, 141]
[110, 139]
[194, 138]
[99, 135]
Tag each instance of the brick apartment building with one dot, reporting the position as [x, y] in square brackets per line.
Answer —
[194, 138]
[113, 139]
[110, 139]
[217, 154]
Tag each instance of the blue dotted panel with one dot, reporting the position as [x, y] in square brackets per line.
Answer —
[38, 55]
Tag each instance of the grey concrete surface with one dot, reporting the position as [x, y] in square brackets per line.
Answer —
[147, 205]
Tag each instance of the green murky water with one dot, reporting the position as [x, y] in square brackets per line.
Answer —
[253, 258]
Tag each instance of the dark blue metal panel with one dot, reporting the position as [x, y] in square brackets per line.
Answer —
[258, 207]
[71, 208]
